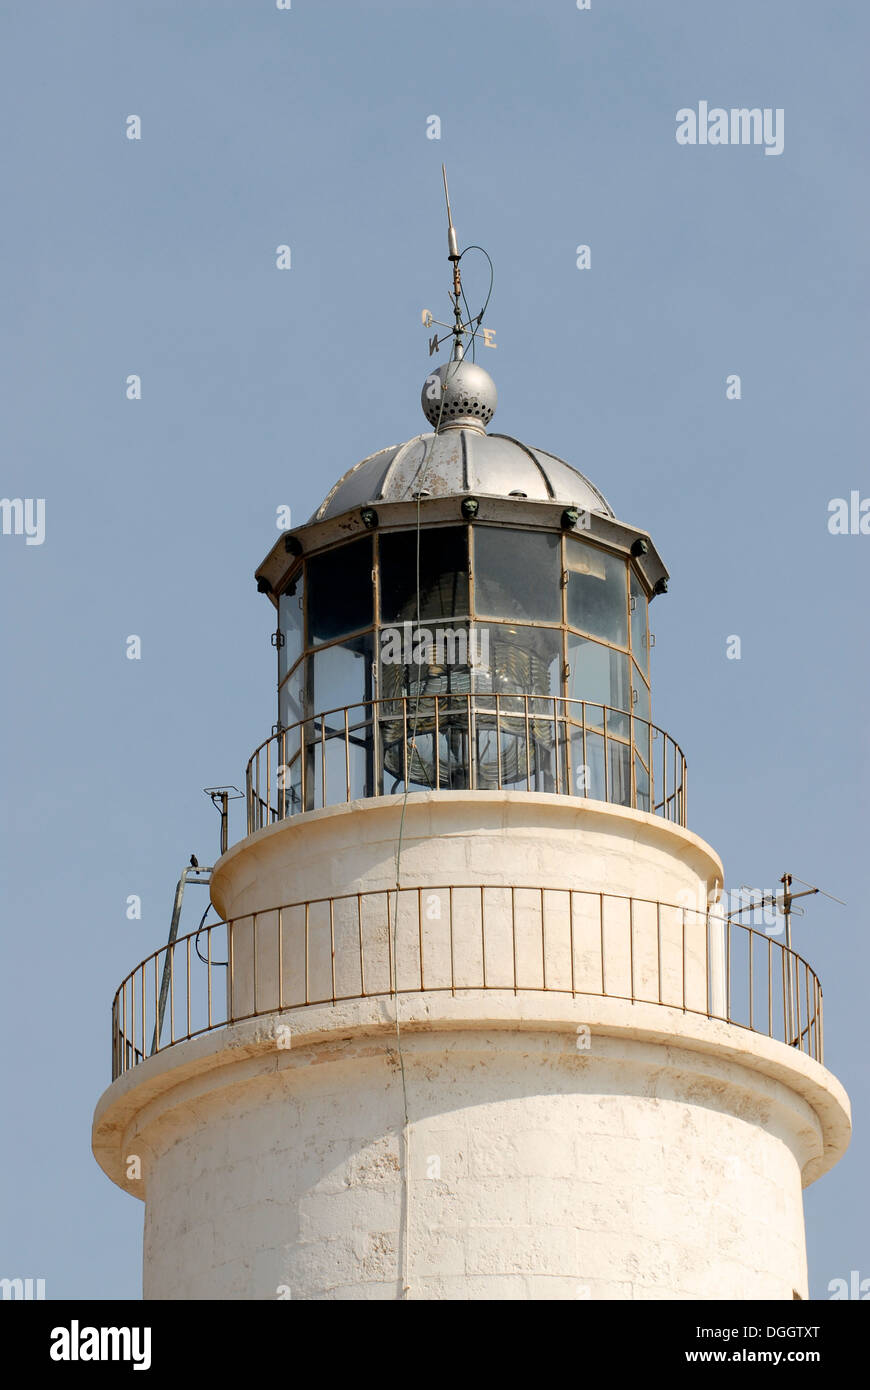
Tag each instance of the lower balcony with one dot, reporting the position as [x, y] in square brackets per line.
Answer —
[462, 940]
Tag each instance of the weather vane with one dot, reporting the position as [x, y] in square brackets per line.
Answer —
[460, 328]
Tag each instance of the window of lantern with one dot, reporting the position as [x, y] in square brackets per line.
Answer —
[552, 624]
[516, 574]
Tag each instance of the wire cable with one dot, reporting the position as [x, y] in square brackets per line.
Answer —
[406, 1128]
[412, 743]
[479, 320]
[203, 958]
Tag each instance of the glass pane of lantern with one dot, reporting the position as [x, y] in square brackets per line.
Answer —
[443, 566]
[619, 759]
[590, 715]
[291, 624]
[426, 660]
[597, 673]
[290, 698]
[340, 763]
[596, 591]
[619, 725]
[639, 612]
[342, 676]
[641, 734]
[641, 701]
[424, 706]
[519, 733]
[340, 591]
[578, 771]
[642, 783]
[595, 784]
[339, 757]
[426, 742]
[517, 659]
[516, 574]
[289, 776]
[288, 754]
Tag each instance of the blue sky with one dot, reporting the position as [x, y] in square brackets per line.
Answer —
[307, 127]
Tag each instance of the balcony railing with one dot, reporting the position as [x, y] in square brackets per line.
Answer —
[461, 939]
[466, 742]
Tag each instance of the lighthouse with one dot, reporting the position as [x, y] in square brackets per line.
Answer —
[473, 1022]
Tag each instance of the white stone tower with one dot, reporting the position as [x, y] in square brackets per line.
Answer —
[473, 1024]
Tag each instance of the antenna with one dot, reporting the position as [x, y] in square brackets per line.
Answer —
[453, 255]
[459, 328]
[220, 799]
[452, 246]
[785, 902]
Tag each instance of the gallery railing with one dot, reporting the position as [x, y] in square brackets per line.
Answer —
[460, 939]
[466, 742]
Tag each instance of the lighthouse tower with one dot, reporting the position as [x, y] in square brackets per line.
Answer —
[473, 1023]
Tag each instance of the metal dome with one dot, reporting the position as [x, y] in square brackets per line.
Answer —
[456, 462]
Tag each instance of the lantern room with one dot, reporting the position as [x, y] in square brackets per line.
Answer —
[462, 612]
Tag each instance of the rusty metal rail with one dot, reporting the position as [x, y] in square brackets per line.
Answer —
[462, 939]
[466, 742]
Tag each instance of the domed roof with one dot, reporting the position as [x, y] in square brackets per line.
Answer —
[456, 462]
[459, 398]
